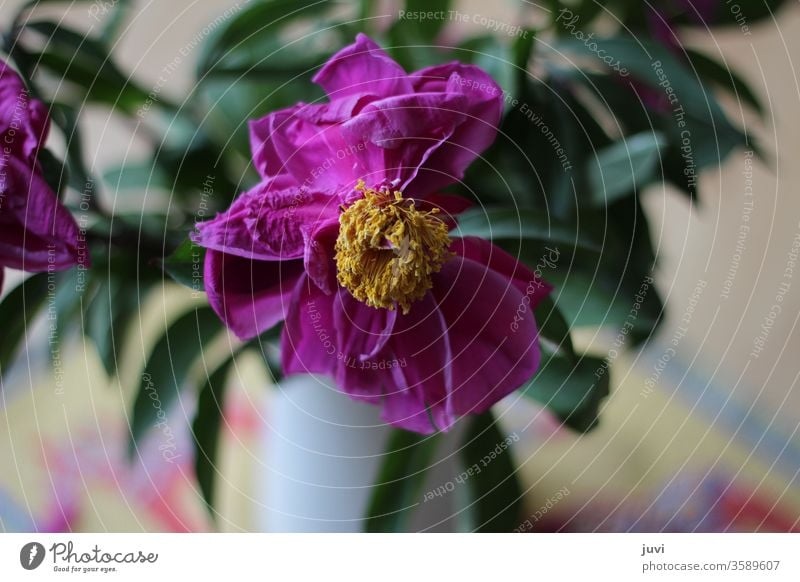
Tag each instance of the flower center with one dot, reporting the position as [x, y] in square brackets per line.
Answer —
[387, 250]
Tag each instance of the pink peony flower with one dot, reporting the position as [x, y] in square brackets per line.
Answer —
[347, 239]
[36, 232]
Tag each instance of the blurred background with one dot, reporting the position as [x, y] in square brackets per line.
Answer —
[700, 432]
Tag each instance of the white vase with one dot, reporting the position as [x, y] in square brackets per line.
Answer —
[322, 452]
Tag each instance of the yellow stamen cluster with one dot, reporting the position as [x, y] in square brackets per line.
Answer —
[387, 250]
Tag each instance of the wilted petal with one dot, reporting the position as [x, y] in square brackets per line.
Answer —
[308, 341]
[401, 133]
[319, 254]
[476, 128]
[361, 335]
[361, 331]
[483, 252]
[27, 251]
[420, 347]
[316, 154]
[23, 121]
[407, 410]
[36, 231]
[265, 224]
[250, 296]
[265, 159]
[362, 68]
[490, 357]
[301, 146]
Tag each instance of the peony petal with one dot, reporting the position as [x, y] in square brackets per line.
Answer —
[493, 335]
[361, 382]
[400, 133]
[265, 159]
[337, 111]
[23, 121]
[27, 251]
[36, 231]
[421, 347]
[483, 252]
[308, 341]
[316, 154]
[407, 410]
[362, 68]
[361, 331]
[476, 128]
[249, 296]
[289, 144]
[319, 254]
[266, 224]
[361, 334]
[419, 138]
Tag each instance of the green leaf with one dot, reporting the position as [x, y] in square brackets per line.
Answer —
[100, 327]
[725, 77]
[99, 8]
[32, 4]
[400, 480]
[185, 265]
[537, 162]
[598, 299]
[615, 288]
[522, 52]
[276, 58]
[194, 167]
[414, 29]
[624, 167]
[17, 311]
[696, 115]
[572, 390]
[151, 232]
[206, 428]
[66, 118]
[633, 113]
[118, 15]
[519, 224]
[365, 8]
[493, 497]
[589, 10]
[84, 61]
[623, 106]
[229, 103]
[496, 58]
[167, 367]
[268, 344]
[54, 170]
[109, 316]
[553, 328]
[743, 16]
[258, 20]
[585, 300]
[67, 306]
[134, 176]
